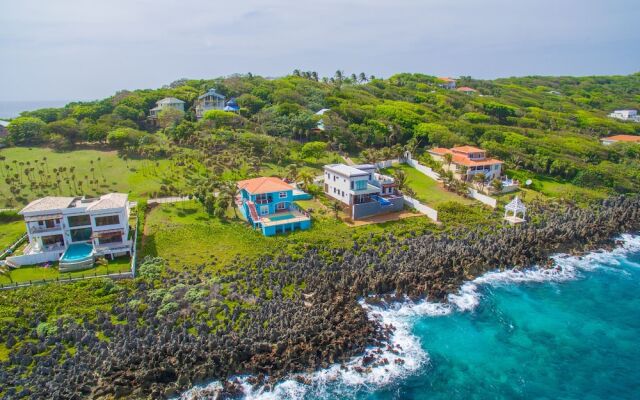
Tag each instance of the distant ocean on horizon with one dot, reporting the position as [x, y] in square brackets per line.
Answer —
[12, 109]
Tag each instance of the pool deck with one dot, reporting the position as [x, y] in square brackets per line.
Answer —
[297, 217]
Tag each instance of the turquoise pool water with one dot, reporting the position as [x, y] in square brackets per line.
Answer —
[77, 252]
[281, 217]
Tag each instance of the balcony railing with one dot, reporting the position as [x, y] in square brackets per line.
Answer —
[41, 229]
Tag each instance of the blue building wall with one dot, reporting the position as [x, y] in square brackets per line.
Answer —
[272, 205]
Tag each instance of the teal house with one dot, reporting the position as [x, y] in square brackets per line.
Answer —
[268, 204]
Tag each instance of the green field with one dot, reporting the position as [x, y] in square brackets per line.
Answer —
[186, 236]
[38, 273]
[10, 232]
[426, 189]
[139, 178]
[553, 188]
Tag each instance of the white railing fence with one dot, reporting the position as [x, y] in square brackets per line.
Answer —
[424, 209]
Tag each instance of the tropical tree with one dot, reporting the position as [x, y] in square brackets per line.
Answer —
[335, 207]
[496, 184]
[26, 130]
[480, 179]
[307, 179]
[400, 178]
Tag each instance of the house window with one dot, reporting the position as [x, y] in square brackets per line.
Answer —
[79, 220]
[81, 235]
[264, 210]
[281, 206]
[52, 240]
[111, 239]
[283, 195]
[361, 185]
[108, 220]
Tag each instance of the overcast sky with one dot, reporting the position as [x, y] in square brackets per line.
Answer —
[88, 49]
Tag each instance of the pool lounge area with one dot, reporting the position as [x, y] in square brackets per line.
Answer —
[78, 256]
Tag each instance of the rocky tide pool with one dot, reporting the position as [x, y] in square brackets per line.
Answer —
[569, 332]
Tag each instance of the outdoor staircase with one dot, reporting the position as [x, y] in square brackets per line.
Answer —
[253, 212]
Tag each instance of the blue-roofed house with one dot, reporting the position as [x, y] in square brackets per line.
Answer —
[211, 100]
[268, 204]
[232, 106]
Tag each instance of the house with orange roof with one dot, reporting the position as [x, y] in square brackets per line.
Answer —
[466, 90]
[447, 83]
[467, 161]
[268, 203]
[608, 141]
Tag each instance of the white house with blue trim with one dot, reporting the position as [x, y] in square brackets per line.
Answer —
[211, 100]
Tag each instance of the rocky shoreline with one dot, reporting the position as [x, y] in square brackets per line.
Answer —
[193, 328]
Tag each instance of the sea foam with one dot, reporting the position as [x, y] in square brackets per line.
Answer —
[403, 351]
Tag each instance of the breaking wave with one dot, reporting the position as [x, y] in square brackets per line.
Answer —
[403, 354]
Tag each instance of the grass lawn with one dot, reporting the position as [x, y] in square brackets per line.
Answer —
[556, 189]
[34, 273]
[10, 232]
[186, 236]
[139, 178]
[427, 190]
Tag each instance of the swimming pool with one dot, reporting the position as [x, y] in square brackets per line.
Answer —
[77, 257]
[77, 252]
[281, 217]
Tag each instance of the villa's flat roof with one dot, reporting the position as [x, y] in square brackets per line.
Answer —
[345, 170]
[49, 203]
[52, 203]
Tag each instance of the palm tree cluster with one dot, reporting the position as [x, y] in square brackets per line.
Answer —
[338, 78]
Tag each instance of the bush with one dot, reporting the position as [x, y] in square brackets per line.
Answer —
[26, 130]
[151, 267]
[122, 137]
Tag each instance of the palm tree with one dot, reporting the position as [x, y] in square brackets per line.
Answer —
[448, 159]
[306, 178]
[401, 178]
[226, 195]
[363, 77]
[480, 178]
[496, 184]
[354, 78]
[339, 75]
[292, 171]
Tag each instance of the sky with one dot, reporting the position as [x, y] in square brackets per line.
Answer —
[89, 49]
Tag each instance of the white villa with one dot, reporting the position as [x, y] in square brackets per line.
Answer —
[167, 102]
[74, 230]
[447, 83]
[211, 100]
[362, 189]
[626, 115]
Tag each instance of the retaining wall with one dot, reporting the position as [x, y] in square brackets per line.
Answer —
[369, 209]
[424, 209]
[483, 198]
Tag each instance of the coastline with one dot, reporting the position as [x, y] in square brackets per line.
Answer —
[323, 326]
[400, 354]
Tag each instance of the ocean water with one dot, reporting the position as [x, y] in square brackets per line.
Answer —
[572, 332]
[12, 109]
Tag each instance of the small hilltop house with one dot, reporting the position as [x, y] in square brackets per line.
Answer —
[363, 190]
[625, 115]
[447, 83]
[320, 125]
[167, 102]
[268, 204]
[211, 100]
[75, 230]
[466, 90]
[608, 141]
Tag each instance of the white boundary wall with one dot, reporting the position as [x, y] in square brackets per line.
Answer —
[428, 211]
[490, 201]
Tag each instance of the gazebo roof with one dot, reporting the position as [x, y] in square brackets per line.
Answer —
[516, 205]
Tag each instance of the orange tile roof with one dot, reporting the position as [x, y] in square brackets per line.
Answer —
[462, 160]
[465, 89]
[623, 138]
[467, 149]
[446, 79]
[265, 184]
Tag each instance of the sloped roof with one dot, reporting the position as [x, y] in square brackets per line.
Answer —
[324, 110]
[108, 201]
[623, 138]
[213, 93]
[516, 205]
[49, 203]
[265, 184]
[170, 100]
[467, 149]
[4, 123]
[444, 79]
[466, 89]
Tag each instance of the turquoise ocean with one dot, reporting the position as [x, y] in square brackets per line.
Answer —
[571, 332]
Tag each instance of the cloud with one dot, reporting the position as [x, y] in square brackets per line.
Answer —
[88, 49]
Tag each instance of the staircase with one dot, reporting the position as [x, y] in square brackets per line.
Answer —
[253, 212]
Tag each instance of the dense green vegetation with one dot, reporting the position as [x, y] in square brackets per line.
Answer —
[546, 125]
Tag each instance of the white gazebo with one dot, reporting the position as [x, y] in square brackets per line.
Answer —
[515, 211]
